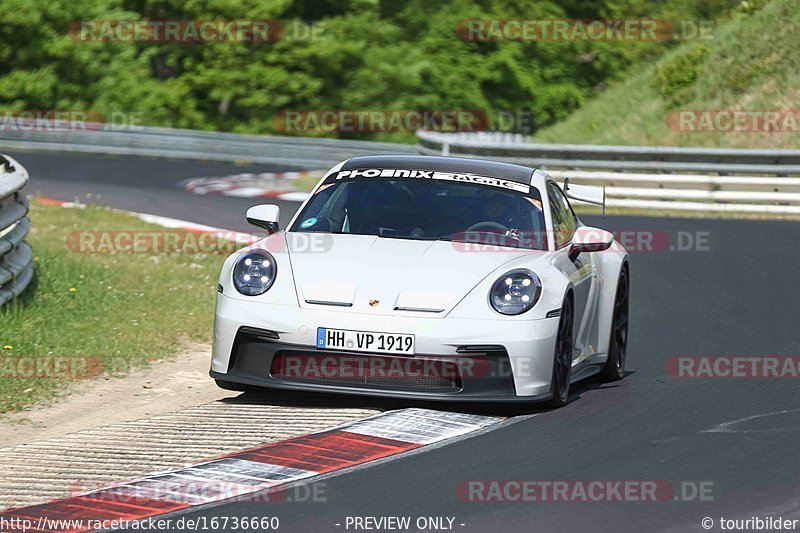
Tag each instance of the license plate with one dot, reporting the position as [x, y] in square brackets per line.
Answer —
[365, 341]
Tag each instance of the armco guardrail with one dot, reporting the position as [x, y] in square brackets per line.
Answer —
[296, 153]
[513, 148]
[686, 192]
[16, 268]
[668, 185]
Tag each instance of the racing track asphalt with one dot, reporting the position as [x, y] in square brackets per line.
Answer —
[738, 297]
[144, 184]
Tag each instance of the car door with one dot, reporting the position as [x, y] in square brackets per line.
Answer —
[581, 271]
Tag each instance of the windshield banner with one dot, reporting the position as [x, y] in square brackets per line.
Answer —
[433, 175]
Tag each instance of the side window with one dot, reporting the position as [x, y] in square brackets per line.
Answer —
[563, 217]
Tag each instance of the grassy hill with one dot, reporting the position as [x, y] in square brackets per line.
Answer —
[752, 63]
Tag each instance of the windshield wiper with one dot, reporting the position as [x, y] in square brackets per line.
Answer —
[407, 237]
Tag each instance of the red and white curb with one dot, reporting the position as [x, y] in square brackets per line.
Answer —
[165, 222]
[253, 471]
[264, 185]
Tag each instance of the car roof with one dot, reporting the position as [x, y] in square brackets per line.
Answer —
[461, 165]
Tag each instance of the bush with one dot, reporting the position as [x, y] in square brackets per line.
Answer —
[674, 79]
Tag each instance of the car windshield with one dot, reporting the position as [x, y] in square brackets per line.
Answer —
[427, 209]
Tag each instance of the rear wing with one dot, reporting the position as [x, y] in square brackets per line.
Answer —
[586, 193]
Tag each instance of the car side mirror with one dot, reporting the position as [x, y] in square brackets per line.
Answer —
[265, 216]
[588, 239]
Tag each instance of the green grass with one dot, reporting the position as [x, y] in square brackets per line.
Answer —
[99, 312]
[752, 63]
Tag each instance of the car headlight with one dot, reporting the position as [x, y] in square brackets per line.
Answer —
[254, 273]
[515, 292]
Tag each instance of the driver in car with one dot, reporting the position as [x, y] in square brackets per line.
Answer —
[501, 209]
[498, 210]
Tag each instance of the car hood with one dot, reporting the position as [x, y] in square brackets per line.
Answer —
[368, 274]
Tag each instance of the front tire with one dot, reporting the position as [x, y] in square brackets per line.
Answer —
[614, 369]
[562, 358]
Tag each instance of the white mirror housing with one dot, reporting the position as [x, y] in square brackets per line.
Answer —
[589, 239]
[265, 216]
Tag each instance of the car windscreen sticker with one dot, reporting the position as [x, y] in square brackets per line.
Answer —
[434, 175]
[323, 187]
[536, 203]
[307, 223]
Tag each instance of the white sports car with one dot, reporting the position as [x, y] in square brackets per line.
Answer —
[430, 278]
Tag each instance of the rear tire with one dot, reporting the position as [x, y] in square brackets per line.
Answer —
[562, 358]
[614, 369]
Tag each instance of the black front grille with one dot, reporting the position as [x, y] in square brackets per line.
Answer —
[417, 373]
